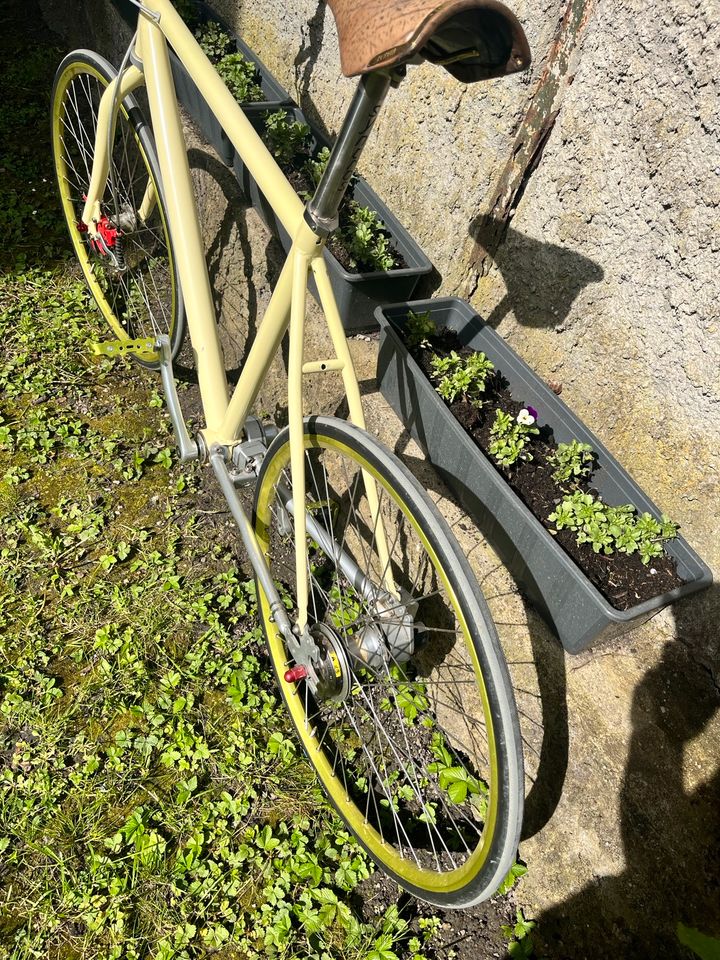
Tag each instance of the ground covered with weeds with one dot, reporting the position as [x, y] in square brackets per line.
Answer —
[152, 800]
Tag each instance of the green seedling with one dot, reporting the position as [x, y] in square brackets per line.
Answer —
[241, 78]
[454, 778]
[609, 529]
[287, 138]
[519, 936]
[462, 378]
[572, 461]
[214, 42]
[366, 239]
[419, 329]
[511, 437]
[315, 166]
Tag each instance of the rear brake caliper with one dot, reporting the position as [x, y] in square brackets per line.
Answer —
[107, 240]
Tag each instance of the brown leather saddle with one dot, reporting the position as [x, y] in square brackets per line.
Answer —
[472, 39]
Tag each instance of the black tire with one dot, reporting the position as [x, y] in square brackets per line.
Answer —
[136, 286]
[413, 706]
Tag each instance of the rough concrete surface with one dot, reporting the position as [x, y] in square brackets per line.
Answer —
[596, 260]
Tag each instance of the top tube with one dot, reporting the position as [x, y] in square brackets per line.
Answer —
[241, 133]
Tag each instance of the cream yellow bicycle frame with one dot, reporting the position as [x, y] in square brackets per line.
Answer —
[158, 24]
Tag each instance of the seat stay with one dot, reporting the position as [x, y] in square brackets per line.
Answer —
[128, 81]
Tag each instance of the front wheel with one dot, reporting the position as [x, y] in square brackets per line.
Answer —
[413, 731]
[129, 265]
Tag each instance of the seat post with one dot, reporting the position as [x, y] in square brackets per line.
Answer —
[322, 210]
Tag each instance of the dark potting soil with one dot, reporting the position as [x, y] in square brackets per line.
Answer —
[622, 578]
[303, 185]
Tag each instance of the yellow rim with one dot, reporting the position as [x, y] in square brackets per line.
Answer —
[429, 880]
[73, 70]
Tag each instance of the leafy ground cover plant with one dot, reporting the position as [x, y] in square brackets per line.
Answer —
[463, 377]
[315, 166]
[287, 138]
[366, 239]
[511, 436]
[609, 529]
[615, 554]
[419, 328]
[137, 715]
[571, 461]
[214, 41]
[519, 934]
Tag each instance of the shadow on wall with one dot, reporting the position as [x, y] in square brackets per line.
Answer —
[542, 280]
[670, 829]
[311, 41]
[307, 55]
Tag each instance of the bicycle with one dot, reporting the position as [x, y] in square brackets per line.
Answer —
[384, 649]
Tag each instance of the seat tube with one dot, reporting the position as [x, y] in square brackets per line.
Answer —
[322, 209]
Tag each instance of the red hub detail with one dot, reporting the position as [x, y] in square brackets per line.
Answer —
[107, 234]
[295, 673]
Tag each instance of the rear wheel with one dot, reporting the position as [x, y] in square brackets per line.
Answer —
[130, 266]
[408, 716]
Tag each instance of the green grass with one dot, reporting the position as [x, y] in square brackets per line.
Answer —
[151, 801]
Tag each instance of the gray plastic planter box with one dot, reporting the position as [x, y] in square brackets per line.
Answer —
[357, 294]
[550, 578]
[189, 96]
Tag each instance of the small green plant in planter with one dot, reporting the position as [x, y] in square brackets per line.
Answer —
[612, 529]
[419, 328]
[572, 461]
[315, 166]
[366, 239]
[214, 42]
[510, 437]
[458, 377]
[241, 77]
[286, 138]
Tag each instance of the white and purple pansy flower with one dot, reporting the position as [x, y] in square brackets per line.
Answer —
[527, 416]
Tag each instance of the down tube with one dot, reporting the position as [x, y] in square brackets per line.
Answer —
[184, 225]
[352, 392]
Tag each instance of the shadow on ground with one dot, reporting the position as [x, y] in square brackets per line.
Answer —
[669, 814]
